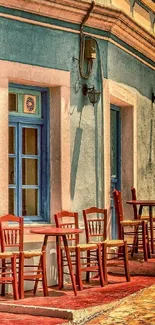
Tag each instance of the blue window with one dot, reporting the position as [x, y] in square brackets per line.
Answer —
[28, 153]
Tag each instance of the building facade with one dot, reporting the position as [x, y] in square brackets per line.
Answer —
[58, 151]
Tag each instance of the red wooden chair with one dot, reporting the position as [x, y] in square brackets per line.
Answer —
[79, 261]
[12, 239]
[95, 221]
[136, 231]
[9, 274]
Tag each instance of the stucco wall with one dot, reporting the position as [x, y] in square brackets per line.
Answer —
[139, 79]
[35, 45]
[146, 148]
[84, 131]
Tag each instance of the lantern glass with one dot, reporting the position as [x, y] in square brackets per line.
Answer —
[94, 96]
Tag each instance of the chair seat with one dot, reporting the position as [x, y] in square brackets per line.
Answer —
[131, 222]
[111, 242]
[147, 218]
[114, 242]
[27, 254]
[83, 247]
[6, 255]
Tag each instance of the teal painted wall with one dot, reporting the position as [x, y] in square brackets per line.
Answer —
[35, 45]
[124, 68]
[27, 43]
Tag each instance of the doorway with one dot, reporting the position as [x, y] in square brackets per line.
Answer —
[115, 157]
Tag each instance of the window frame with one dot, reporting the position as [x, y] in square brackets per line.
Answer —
[41, 122]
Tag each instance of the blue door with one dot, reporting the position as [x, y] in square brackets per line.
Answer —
[115, 154]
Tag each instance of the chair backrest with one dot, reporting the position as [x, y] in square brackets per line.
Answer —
[134, 197]
[67, 219]
[11, 232]
[117, 195]
[95, 221]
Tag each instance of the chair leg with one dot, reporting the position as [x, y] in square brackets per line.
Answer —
[126, 262]
[122, 238]
[44, 275]
[147, 241]
[145, 249]
[37, 280]
[135, 241]
[14, 281]
[88, 262]
[39, 268]
[104, 262]
[99, 258]
[78, 269]
[3, 284]
[21, 275]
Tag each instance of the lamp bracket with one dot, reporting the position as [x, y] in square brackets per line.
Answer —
[85, 89]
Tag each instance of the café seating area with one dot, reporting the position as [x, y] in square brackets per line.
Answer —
[84, 261]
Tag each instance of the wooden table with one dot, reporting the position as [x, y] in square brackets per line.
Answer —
[149, 204]
[63, 232]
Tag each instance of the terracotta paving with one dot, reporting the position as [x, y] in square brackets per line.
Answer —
[16, 319]
[119, 302]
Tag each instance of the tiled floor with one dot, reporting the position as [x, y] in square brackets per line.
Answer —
[90, 301]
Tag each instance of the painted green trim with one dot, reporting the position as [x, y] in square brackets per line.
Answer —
[37, 65]
[130, 48]
[44, 19]
[20, 102]
[119, 41]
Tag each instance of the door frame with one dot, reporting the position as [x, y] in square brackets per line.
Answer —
[118, 122]
[116, 183]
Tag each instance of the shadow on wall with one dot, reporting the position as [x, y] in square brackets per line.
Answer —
[75, 159]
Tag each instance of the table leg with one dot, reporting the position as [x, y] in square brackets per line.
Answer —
[140, 211]
[151, 228]
[69, 264]
[59, 262]
[43, 249]
[135, 246]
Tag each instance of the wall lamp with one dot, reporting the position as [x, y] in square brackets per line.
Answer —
[92, 93]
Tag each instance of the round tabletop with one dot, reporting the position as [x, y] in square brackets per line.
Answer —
[51, 231]
[142, 202]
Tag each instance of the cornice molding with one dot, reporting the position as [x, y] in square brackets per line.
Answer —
[149, 4]
[102, 17]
